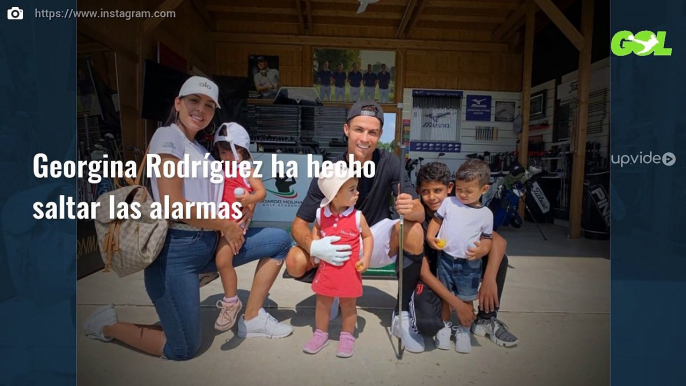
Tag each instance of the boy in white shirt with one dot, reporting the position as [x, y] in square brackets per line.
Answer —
[465, 226]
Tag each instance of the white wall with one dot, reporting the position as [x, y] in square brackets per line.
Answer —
[600, 79]
[507, 139]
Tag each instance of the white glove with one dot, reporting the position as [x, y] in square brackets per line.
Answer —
[332, 254]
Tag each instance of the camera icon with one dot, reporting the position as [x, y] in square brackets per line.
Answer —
[15, 13]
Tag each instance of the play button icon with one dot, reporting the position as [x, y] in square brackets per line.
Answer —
[668, 159]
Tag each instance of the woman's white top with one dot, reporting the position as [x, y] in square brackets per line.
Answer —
[171, 140]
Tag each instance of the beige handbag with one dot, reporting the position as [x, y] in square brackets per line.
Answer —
[128, 246]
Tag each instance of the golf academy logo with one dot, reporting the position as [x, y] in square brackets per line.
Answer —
[643, 43]
[283, 185]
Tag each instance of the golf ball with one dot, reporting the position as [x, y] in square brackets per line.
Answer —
[239, 192]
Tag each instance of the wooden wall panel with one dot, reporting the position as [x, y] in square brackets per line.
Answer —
[463, 70]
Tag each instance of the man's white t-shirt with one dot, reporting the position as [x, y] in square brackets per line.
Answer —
[171, 140]
[463, 225]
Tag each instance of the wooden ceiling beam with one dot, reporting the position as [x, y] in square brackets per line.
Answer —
[256, 9]
[376, 43]
[473, 4]
[205, 15]
[152, 22]
[308, 9]
[542, 20]
[406, 18]
[364, 15]
[355, 21]
[381, 3]
[416, 18]
[301, 19]
[511, 20]
[463, 19]
[562, 23]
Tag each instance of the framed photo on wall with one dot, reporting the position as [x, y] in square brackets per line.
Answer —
[504, 111]
[537, 105]
[350, 75]
[263, 70]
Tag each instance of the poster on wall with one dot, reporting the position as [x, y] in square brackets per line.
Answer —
[435, 124]
[504, 111]
[346, 75]
[478, 108]
[264, 72]
[284, 194]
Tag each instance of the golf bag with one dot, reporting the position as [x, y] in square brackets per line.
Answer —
[505, 201]
[504, 206]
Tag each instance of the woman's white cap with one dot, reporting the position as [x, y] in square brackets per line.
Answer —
[200, 85]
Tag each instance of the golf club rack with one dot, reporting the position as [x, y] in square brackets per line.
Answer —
[98, 141]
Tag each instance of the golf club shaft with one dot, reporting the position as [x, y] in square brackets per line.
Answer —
[400, 257]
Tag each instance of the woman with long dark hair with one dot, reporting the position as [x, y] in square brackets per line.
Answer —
[172, 279]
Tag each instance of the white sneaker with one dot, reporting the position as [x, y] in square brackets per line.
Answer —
[262, 326]
[334, 309]
[412, 341]
[442, 339]
[463, 342]
[101, 317]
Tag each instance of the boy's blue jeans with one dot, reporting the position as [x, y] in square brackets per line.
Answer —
[173, 286]
[460, 276]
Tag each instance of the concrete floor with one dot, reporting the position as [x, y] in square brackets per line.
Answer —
[556, 300]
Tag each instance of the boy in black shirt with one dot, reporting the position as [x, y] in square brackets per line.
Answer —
[434, 184]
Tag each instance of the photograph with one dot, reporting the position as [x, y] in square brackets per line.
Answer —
[504, 111]
[346, 75]
[264, 71]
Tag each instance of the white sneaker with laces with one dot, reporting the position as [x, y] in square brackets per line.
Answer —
[101, 317]
[262, 326]
[412, 341]
[463, 342]
[442, 339]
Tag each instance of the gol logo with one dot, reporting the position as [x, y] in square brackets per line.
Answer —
[643, 43]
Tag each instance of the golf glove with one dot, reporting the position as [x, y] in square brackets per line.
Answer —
[323, 249]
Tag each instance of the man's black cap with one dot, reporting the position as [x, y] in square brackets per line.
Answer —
[261, 58]
[357, 111]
